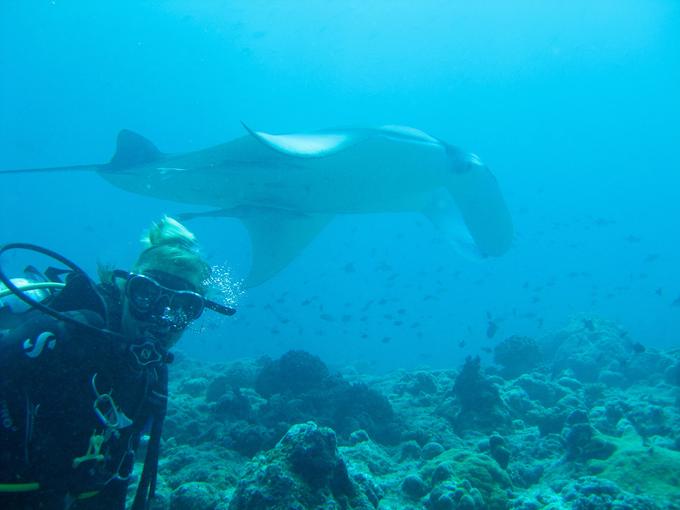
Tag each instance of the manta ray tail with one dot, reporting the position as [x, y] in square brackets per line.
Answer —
[131, 149]
[73, 168]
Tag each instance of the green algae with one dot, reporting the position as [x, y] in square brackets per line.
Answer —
[652, 471]
[479, 470]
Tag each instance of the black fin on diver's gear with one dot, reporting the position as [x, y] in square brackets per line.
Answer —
[79, 289]
[54, 274]
[34, 273]
[132, 150]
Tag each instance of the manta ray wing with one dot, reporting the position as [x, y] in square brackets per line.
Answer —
[277, 237]
[307, 145]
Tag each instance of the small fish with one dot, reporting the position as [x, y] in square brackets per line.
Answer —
[349, 267]
[386, 339]
[589, 324]
[638, 348]
[603, 222]
[491, 329]
[327, 317]
[676, 302]
[461, 343]
[383, 266]
[658, 291]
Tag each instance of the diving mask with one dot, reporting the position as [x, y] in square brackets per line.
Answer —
[170, 308]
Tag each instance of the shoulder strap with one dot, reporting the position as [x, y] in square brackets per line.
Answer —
[158, 399]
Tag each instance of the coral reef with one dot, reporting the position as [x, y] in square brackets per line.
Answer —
[517, 355]
[303, 471]
[594, 424]
[481, 407]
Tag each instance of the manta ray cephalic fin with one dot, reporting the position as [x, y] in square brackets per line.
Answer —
[446, 217]
[478, 198]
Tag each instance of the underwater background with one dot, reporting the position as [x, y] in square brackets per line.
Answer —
[574, 105]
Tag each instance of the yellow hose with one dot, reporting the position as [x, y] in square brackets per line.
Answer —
[19, 487]
[33, 286]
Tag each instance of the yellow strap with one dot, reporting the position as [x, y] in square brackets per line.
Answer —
[85, 495]
[33, 286]
[6, 488]
[19, 487]
[93, 450]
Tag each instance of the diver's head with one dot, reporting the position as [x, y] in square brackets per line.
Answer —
[165, 291]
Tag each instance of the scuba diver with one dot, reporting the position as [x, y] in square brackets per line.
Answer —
[84, 372]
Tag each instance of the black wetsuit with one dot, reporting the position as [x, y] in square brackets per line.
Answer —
[73, 406]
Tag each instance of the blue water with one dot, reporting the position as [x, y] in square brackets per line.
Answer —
[573, 104]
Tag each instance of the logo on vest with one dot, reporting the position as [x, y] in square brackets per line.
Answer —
[34, 349]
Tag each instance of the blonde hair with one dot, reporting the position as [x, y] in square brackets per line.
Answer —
[173, 249]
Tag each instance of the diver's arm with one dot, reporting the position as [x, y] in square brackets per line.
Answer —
[38, 359]
[24, 354]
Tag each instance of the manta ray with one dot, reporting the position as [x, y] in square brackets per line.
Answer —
[286, 187]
